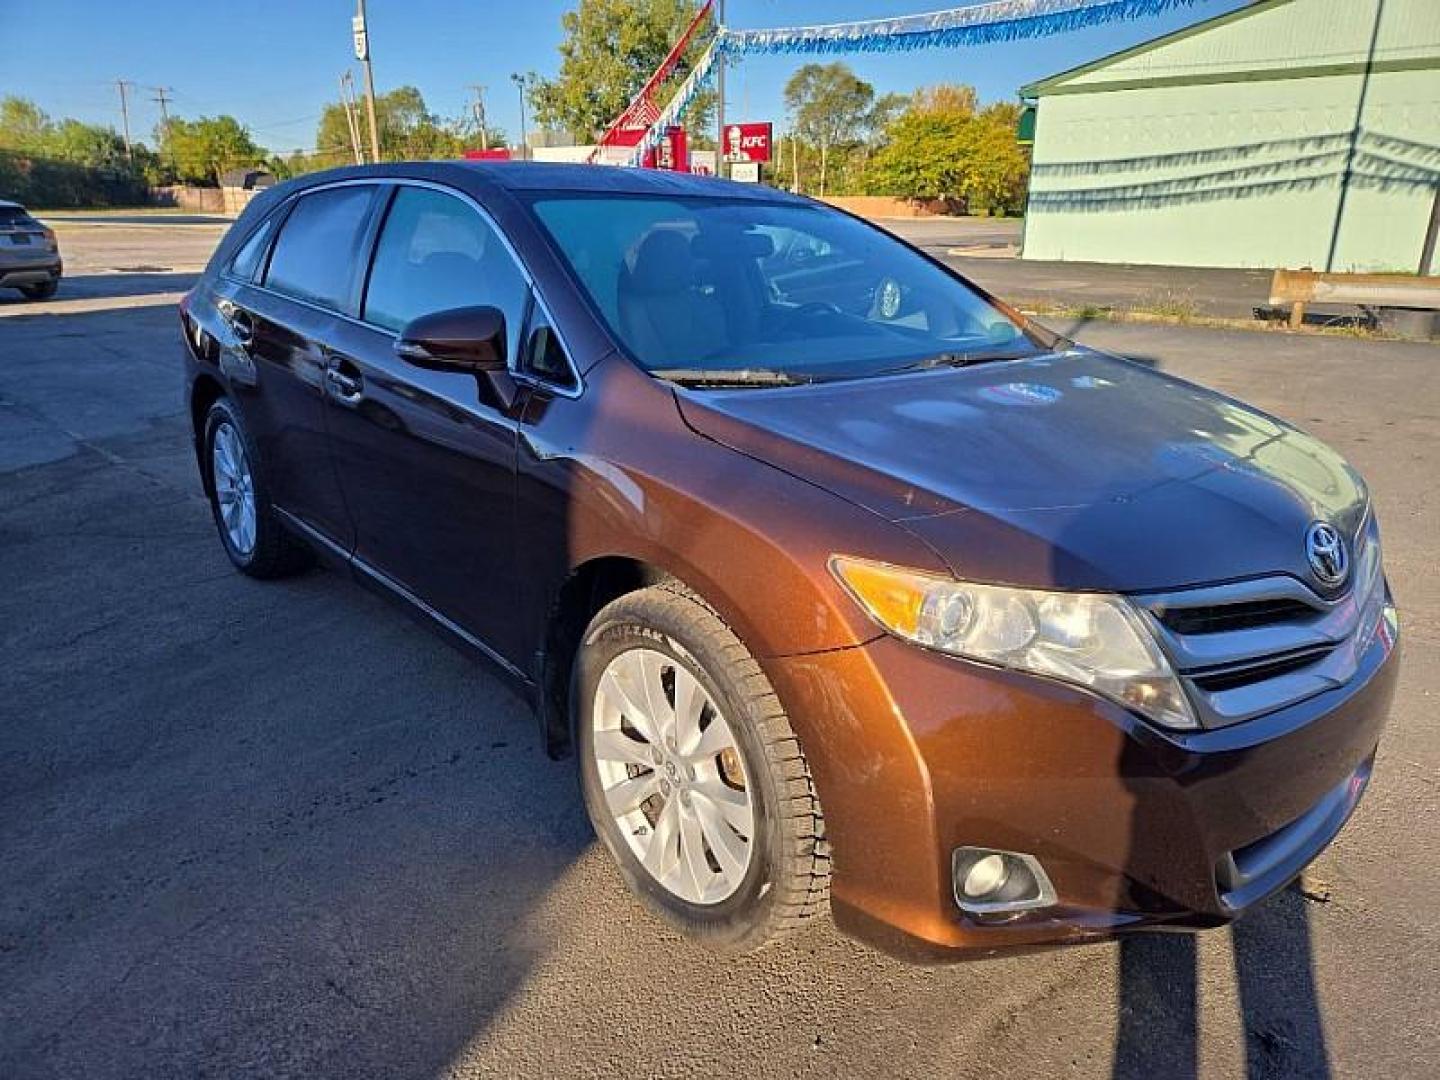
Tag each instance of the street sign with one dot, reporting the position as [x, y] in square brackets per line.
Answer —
[747, 142]
[745, 172]
[362, 42]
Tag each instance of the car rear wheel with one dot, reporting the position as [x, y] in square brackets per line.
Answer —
[43, 291]
[692, 775]
[249, 528]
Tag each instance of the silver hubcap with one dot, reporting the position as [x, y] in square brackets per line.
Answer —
[672, 776]
[234, 488]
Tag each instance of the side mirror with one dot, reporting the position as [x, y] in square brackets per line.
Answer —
[468, 339]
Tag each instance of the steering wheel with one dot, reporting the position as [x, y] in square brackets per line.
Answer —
[794, 322]
[814, 308]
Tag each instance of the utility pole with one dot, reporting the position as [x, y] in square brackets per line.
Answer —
[519, 81]
[352, 120]
[480, 115]
[720, 169]
[362, 53]
[162, 98]
[125, 118]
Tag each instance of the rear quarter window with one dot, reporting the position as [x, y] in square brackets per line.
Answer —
[247, 260]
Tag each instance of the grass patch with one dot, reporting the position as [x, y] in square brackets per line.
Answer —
[1188, 317]
[1179, 307]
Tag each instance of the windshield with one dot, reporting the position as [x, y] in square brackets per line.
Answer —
[725, 291]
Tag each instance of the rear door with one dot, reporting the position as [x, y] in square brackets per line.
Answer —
[282, 301]
[427, 458]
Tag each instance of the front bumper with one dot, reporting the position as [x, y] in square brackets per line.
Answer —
[915, 754]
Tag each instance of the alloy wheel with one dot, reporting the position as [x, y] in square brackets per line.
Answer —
[234, 488]
[672, 775]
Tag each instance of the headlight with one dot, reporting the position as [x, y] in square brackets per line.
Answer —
[1095, 640]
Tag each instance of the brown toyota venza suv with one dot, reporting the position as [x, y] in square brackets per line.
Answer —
[848, 587]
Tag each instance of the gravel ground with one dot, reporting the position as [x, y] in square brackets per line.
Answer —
[251, 829]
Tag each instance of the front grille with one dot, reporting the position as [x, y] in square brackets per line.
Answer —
[1242, 615]
[1251, 647]
[1234, 677]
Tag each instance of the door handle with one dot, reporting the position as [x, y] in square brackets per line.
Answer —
[347, 386]
[243, 326]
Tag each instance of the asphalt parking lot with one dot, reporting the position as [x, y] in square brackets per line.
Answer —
[279, 829]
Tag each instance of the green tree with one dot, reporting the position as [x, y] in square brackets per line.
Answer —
[999, 167]
[202, 150]
[942, 148]
[406, 127]
[829, 106]
[23, 124]
[87, 144]
[611, 48]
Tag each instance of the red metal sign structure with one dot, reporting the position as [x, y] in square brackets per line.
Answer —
[642, 112]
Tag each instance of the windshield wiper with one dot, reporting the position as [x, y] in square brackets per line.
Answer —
[947, 359]
[721, 377]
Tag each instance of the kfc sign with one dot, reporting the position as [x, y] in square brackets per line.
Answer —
[747, 142]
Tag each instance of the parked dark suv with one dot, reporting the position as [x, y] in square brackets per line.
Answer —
[848, 586]
[29, 256]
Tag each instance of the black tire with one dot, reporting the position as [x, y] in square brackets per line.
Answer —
[43, 291]
[276, 553]
[787, 881]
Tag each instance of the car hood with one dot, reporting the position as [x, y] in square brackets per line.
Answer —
[1071, 470]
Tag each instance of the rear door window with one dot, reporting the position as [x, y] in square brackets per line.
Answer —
[315, 255]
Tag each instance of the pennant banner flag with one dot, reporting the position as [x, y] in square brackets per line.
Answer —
[979, 24]
[698, 77]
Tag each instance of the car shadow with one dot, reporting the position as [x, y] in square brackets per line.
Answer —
[262, 828]
[1157, 1027]
[102, 286]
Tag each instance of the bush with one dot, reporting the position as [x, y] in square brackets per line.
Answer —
[45, 182]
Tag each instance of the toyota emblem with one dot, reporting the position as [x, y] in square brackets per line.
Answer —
[1325, 548]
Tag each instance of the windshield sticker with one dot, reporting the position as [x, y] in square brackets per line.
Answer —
[1020, 393]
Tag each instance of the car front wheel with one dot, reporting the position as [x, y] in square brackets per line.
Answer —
[692, 775]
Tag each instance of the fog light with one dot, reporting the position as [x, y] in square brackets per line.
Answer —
[985, 876]
[991, 882]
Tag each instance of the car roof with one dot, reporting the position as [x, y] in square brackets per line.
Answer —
[536, 176]
[555, 176]
[6, 204]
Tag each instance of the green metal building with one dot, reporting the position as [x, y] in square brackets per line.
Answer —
[1288, 133]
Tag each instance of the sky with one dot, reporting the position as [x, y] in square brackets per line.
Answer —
[274, 64]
